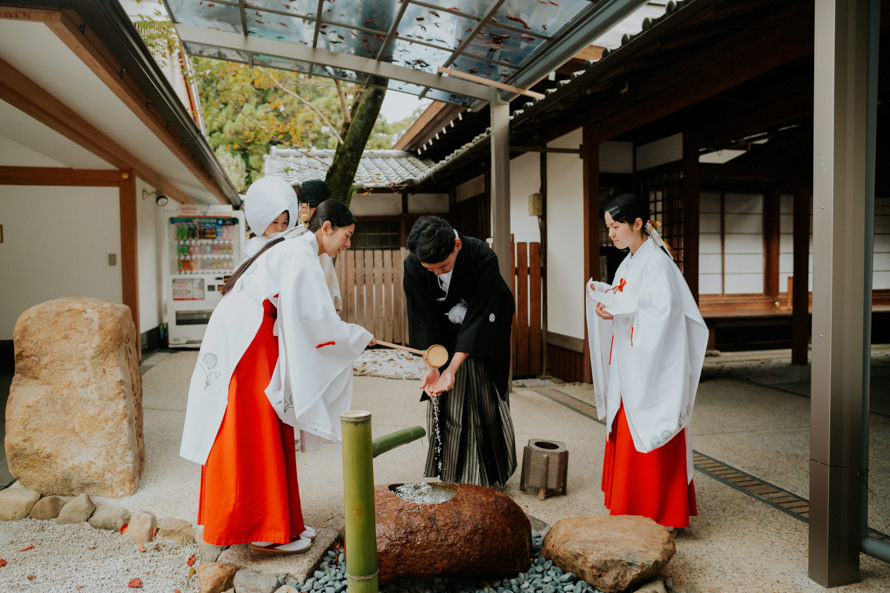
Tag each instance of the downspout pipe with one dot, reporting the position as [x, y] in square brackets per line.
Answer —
[870, 545]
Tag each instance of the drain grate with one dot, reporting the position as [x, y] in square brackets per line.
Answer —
[771, 494]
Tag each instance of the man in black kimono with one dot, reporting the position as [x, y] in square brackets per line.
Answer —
[456, 297]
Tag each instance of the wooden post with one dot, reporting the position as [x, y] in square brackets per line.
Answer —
[591, 180]
[691, 190]
[771, 236]
[130, 250]
[800, 298]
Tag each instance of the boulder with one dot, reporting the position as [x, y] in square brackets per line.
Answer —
[142, 527]
[215, 577]
[77, 510]
[74, 414]
[16, 503]
[111, 517]
[611, 553]
[477, 532]
[46, 508]
[177, 530]
[251, 581]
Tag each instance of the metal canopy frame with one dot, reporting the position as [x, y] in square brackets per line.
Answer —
[402, 44]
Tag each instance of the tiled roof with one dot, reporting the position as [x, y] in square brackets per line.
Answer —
[377, 168]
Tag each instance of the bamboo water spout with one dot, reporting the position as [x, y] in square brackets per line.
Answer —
[358, 494]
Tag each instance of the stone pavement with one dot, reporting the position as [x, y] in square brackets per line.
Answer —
[738, 542]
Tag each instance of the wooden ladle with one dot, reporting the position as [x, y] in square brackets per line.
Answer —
[436, 355]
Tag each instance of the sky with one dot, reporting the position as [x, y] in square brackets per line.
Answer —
[397, 106]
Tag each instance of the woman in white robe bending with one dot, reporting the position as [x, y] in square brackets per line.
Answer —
[647, 345]
[275, 358]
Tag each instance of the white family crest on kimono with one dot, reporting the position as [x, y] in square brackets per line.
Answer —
[311, 384]
[650, 355]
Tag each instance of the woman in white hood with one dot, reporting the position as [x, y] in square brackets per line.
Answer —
[647, 346]
[271, 207]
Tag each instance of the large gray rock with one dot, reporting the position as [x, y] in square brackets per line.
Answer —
[478, 532]
[16, 503]
[74, 415]
[611, 553]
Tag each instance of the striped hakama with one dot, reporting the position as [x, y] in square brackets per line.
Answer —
[471, 441]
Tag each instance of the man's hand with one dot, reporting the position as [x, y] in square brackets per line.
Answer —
[430, 377]
[443, 384]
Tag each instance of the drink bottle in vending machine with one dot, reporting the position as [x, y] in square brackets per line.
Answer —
[203, 248]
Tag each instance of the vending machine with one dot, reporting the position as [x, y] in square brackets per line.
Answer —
[201, 249]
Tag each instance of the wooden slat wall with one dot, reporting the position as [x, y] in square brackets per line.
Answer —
[527, 286]
[567, 365]
[371, 287]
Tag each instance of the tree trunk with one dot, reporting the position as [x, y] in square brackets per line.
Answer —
[342, 172]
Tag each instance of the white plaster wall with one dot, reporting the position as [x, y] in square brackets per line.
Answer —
[470, 189]
[659, 152]
[525, 179]
[565, 239]
[56, 242]
[428, 203]
[376, 204]
[148, 258]
[616, 157]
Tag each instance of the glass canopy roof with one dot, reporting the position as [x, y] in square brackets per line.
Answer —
[403, 45]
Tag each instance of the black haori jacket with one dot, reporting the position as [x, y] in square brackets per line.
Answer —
[485, 331]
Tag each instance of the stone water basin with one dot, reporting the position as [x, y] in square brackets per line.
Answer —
[458, 530]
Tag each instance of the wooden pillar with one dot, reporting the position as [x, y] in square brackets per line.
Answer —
[403, 220]
[840, 91]
[542, 228]
[130, 249]
[771, 236]
[591, 181]
[500, 187]
[691, 200]
[800, 298]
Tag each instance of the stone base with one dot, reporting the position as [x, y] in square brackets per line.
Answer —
[297, 567]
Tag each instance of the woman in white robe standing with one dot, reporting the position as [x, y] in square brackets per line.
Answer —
[275, 358]
[647, 345]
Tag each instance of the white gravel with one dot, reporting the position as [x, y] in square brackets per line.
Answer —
[389, 363]
[81, 559]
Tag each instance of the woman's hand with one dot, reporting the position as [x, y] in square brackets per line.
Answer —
[600, 310]
[373, 341]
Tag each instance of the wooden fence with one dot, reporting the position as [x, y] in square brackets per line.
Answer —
[527, 322]
[371, 288]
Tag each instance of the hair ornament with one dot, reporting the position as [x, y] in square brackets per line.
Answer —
[651, 227]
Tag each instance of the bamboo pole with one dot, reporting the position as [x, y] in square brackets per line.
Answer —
[395, 439]
[358, 497]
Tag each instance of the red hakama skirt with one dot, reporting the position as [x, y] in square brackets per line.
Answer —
[249, 489]
[650, 484]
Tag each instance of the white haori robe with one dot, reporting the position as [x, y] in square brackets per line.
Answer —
[311, 384]
[651, 354]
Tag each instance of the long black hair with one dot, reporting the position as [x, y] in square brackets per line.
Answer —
[328, 211]
[627, 208]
